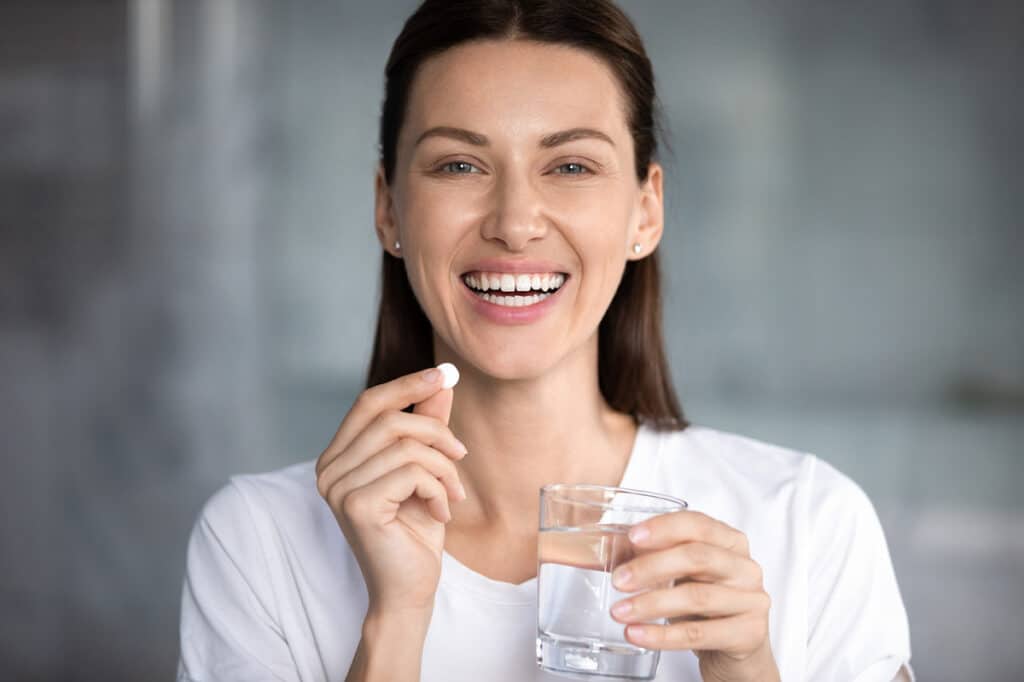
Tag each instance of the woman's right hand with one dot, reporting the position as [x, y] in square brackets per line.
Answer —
[389, 477]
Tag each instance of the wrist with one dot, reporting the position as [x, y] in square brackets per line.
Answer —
[391, 647]
[758, 667]
[407, 627]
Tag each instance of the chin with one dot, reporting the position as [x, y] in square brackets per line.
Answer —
[510, 364]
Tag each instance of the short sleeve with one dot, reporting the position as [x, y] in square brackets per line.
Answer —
[228, 629]
[857, 624]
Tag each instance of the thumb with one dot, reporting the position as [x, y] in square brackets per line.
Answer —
[438, 406]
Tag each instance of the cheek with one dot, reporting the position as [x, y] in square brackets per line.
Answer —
[603, 263]
[430, 232]
[602, 211]
[427, 266]
[599, 235]
[435, 221]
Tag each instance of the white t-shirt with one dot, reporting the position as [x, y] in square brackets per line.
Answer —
[272, 591]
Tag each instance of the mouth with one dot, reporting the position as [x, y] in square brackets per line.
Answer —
[514, 290]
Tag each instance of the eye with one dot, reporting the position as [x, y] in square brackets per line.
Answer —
[573, 169]
[457, 168]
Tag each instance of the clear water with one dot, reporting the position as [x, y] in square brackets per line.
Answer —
[576, 634]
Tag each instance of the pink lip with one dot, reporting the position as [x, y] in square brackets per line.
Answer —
[512, 316]
[506, 265]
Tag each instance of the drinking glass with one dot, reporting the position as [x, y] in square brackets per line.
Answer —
[582, 540]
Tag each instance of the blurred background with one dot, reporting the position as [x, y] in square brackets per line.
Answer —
[188, 273]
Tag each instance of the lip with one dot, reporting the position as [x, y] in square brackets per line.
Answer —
[500, 314]
[515, 266]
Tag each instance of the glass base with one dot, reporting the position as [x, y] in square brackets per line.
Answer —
[587, 659]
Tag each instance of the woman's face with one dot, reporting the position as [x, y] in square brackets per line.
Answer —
[486, 195]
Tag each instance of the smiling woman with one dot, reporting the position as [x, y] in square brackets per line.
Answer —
[634, 375]
[519, 207]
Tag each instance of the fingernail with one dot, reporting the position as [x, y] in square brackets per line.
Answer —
[621, 577]
[636, 632]
[462, 492]
[638, 534]
[621, 609]
[431, 376]
[462, 447]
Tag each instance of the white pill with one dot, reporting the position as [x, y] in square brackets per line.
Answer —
[449, 374]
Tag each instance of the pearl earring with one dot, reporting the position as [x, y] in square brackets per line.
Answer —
[397, 246]
[637, 248]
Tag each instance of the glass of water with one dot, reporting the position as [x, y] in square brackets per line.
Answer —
[582, 540]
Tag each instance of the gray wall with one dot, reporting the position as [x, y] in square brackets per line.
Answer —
[187, 247]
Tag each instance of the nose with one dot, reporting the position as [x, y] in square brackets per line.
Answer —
[518, 216]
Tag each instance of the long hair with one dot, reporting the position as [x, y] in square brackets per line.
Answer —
[633, 372]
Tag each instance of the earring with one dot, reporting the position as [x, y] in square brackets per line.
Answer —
[397, 246]
[637, 248]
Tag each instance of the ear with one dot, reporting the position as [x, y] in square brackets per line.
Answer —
[384, 216]
[648, 229]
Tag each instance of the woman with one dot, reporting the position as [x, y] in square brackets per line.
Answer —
[519, 209]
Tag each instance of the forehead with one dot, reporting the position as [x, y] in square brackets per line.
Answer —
[516, 88]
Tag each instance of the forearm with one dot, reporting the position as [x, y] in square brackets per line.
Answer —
[391, 650]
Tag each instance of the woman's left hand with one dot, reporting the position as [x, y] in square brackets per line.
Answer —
[717, 608]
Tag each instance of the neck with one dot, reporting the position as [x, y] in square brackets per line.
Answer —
[523, 434]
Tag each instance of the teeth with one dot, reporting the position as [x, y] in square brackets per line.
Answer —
[514, 301]
[508, 282]
[532, 285]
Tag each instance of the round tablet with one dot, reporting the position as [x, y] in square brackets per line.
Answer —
[449, 374]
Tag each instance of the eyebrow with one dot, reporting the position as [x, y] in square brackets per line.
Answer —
[548, 141]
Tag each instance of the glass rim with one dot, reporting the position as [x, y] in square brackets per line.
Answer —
[552, 490]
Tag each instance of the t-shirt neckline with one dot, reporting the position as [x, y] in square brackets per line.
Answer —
[456, 575]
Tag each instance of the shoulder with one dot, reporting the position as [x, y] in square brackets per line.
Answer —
[703, 452]
[733, 451]
[258, 527]
[705, 460]
[250, 511]
[836, 607]
[247, 497]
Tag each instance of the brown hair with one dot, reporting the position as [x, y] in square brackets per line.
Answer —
[633, 370]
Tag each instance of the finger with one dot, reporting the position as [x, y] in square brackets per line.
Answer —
[673, 528]
[735, 634]
[392, 395]
[438, 405]
[378, 502]
[387, 428]
[398, 454]
[689, 599]
[690, 560]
